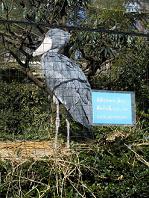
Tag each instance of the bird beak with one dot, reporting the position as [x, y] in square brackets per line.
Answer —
[44, 47]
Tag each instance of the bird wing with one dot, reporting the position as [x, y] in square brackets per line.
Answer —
[44, 47]
[69, 84]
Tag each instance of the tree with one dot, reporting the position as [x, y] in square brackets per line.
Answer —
[20, 40]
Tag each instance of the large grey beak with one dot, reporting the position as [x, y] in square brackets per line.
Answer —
[44, 47]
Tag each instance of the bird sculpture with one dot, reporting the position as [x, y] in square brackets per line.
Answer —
[65, 80]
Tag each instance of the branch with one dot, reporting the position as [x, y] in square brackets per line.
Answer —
[141, 144]
[140, 158]
[23, 65]
[25, 69]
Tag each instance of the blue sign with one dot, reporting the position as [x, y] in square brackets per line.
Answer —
[113, 108]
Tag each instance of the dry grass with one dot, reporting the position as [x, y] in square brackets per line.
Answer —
[65, 173]
[22, 150]
[62, 164]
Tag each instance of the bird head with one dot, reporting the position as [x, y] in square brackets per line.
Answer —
[55, 39]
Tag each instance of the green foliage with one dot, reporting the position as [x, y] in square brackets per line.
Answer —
[39, 11]
[114, 164]
[24, 111]
[104, 169]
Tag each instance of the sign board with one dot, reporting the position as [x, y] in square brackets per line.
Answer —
[113, 108]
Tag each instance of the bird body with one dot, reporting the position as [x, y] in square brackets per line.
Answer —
[68, 83]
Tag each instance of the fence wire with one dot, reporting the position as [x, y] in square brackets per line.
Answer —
[30, 117]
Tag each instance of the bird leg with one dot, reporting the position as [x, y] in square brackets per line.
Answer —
[57, 121]
[68, 133]
[51, 113]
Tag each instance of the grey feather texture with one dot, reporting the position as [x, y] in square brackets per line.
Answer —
[66, 80]
[68, 83]
[59, 38]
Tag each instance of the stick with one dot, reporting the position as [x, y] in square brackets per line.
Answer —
[140, 158]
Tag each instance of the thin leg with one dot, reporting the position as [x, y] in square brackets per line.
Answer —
[68, 133]
[57, 121]
[51, 119]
